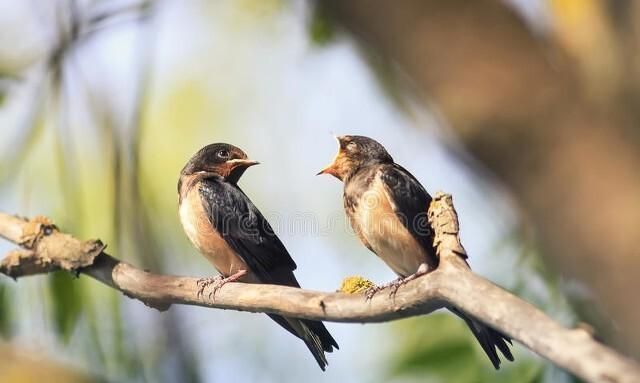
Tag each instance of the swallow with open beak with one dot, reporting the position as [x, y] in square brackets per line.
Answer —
[225, 226]
[387, 208]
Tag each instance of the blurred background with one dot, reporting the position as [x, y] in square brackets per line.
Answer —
[525, 110]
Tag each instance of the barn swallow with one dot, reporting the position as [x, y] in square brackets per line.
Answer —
[225, 227]
[387, 208]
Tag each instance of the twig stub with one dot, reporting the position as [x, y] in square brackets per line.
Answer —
[46, 249]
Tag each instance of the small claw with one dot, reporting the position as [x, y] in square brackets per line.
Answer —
[371, 291]
[216, 286]
[212, 292]
[217, 282]
[203, 283]
[395, 285]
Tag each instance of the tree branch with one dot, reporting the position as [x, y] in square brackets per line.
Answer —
[452, 284]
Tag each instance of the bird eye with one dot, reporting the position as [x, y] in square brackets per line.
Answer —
[351, 146]
[223, 154]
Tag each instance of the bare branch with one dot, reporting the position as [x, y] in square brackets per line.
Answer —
[452, 284]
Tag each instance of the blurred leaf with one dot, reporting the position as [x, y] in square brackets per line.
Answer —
[389, 80]
[5, 311]
[441, 347]
[5, 81]
[67, 303]
[128, 360]
[540, 285]
[321, 28]
[93, 338]
[19, 365]
[435, 347]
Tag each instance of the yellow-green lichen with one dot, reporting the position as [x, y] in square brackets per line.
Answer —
[355, 285]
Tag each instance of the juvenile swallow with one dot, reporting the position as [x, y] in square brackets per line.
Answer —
[387, 208]
[225, 227]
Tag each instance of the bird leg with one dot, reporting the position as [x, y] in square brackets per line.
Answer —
[371, 291]
[396, 283]
[217, 282]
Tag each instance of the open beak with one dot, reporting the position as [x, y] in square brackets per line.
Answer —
[328, 170]
[331, 168]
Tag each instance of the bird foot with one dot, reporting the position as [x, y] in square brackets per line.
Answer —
[217, 282]
[396, 283]
[203, 283]
[371, 291]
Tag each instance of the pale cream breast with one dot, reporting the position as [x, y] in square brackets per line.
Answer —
[385, 233]
[207, 240]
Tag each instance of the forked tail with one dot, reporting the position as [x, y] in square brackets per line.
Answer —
[313, 333]
[491, 340]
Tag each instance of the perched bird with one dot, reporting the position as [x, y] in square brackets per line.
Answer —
[387, 208]
[225, 226]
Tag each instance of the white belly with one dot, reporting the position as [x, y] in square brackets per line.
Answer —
[189, 225]
[386, 234]
[207, 240]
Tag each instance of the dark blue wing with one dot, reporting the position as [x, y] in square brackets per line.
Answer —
[248, 233]
[410, 202]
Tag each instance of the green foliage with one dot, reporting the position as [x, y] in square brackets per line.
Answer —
[537, 283]
[67, 303]
[440, 348]
[321, 28]
[3, 88]
[5, 311]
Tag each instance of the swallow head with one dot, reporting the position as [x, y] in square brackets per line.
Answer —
[224, 160]
[354, 152]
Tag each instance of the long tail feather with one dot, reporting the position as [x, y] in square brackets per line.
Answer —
[488, 338]
[314, 335]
